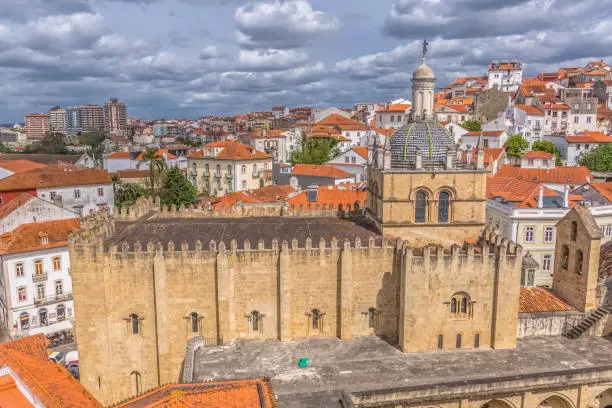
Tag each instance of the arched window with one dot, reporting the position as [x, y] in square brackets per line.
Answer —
[195, 327]
[229, 169]
[443, 206]
[61, 313]
[574, 232]
[579, 258]
[207, 168]
[255, 320]
[316, 317]
[137, 378]
[453, 305]
[218, 169]
[420, 208]
[193, 167]
[464, 305]
[24, 321]
[42, 317]
[564, 257]
[243, 169]
[254, 169]
[135, 323]
[371, 314]
[244, 184]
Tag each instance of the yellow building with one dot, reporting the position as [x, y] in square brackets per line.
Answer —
[224, 167]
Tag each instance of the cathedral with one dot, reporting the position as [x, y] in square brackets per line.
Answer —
[418, 269]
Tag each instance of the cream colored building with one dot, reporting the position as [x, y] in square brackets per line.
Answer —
[224, 167]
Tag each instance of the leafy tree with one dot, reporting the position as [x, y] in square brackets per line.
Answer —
[315, 151]
[5, 149]
[188, 142]
[95, 140]
[472, 125]
[516, 145]
[598, 159]
[157, 166]
[548, 147]
[176, 188]
[52, 143]
[127, 193]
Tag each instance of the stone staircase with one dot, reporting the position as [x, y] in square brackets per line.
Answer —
[589, 321]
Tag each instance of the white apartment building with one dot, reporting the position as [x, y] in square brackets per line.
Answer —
[490, 138]
[538, 160]
[529, 121]
[582, 143]
[26, 208]
[36, 287]
[116, 161]
[505, 75]
[277, 143]
[353, 161]
[556, 118]
[82, 191]
[58, 121]
[392, 116]
[583, 109]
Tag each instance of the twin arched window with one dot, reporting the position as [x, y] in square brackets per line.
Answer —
[420, 207]
[460, 305]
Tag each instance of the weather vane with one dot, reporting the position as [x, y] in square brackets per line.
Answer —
[425, 45]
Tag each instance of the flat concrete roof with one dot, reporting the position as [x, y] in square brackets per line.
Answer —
[251, 228]
[369, 363]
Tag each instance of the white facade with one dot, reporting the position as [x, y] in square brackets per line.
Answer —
[391, 119]
[579, 122]
[125, 163]
[529, 125]
[354, 136]
[575, 150]
[505, 76]
[490, 139]
[34, 210]
[352, 162]
[538, 163]
[83, 200]
[39, 289]
[321, 114]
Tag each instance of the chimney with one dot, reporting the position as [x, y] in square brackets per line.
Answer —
[541, 197]
[480, 162]
[566, 197]
[468, 154]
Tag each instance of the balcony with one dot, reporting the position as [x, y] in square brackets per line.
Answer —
[229, 176]
[206, 173]
[256, 174]
[217, 175]
[53, 299]
[39, 277]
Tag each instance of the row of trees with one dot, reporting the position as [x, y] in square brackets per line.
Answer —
[169, 185]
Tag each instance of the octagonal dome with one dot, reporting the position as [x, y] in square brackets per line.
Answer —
[431, 138]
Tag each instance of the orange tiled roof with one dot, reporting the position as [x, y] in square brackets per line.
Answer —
[605, 189]
[129, 173]
[386, 132]
[28, 237]
[10, 395]
[535, 299]
[560, 174]
[490, 154]
[342, 122]
[268, 194]
[555, 106]
[530, 109]
[19, 166]
[330, 196]
[217, 394]
[537, 155]
[159, 154]
[235, 150]
[14, 204]
[119, 155]
[362, 151]
[589, 137]
[54, 177]
[398, 107]
[523, 193]
[323, 170]
[50, 382]
[461, 108]
[488, 133]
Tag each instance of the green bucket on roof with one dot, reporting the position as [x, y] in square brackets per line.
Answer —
[303, 362]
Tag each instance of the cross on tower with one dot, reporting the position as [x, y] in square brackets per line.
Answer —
[425, 47]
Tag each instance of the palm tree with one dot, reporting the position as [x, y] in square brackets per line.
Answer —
[157, 165]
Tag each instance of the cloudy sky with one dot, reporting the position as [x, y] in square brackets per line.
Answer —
[186, 58]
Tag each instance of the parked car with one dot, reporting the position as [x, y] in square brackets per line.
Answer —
[56, 356]
[72, 357]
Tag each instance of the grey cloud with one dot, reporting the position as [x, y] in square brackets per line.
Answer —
[21, 10]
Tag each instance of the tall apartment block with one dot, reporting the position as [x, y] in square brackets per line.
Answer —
[505, 75]
[115, 117]
[57, 120]
[92, 117]
[74, 125]
[37, 125]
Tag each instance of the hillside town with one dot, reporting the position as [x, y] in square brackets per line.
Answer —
[309, 257]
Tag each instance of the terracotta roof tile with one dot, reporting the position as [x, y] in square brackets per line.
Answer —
[238, 151]
[255, 393]
[560, 174]
[159, 154]
[490, 155]
[461, 108]
[589, 137]
[54, 177]
[119, 155]
[268, 194]
[19, 166]
[536, 299]
[386, 132]
[323, 170]
[605, 189]
[362, 151]
[333, 196]
[14, 204]
[554, 106]
[50, 382]
[537, 155]
[29, 237]
[339, 120]
[488, 133]
[398, 107]
[530, 109]
[130, 173]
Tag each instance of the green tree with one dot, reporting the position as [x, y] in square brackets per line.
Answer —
[5, 149]
[176, 188]
[315, 151]
[157, 166]
[472, 125]
[52, 143]
[548, 147]
[598, 159]
[126, 194]
[94, 139]
[516, 145]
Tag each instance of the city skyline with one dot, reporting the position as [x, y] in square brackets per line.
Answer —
[231, 56]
